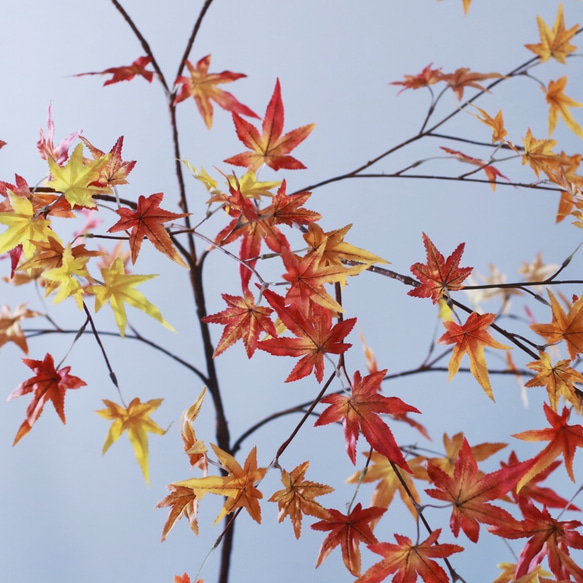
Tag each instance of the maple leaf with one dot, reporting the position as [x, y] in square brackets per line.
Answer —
[202, 86]
[250, 187]
[47, 384]
[439, 276]
[563, 438]
[147, 221]
[469, 494]
[495, 123]
[118, 288]
[463, 77]
[238, 486]
[560, 104]
[182, 502]
[127, 72]
[548, 537]
[348, 531]
[135, 419]
[24, 227]
[359, 413]
[315, 337]
[531, 490]
[410, 561]
[558, 379]
[452, 446]
[567, 327]
[10, 330]
[298, 496]
[77, 181]
[508, 570]
[389, 482]
[271, 147]
[472, 337]
[491, 172]
[428, 76]
[554, 43]
[243, 320]
[194, 448]
[46, 146]
[115, 171]
[538, 153]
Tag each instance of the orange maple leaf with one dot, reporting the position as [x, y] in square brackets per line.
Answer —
[469, 494]
[115, 171]
[48, 383]
[271, 147]
[127, 72]
[202, 86]
[410, 561]
[359, 413]
[10, 329]
[560, 104]
[496, 123]
[548, 537]
[348, 531]
[557, 378]
[298, 496]
[428, 76]
[439, 276]
[554, 43]
[567, 327]
[316, 337]
[238, 486]
[564, 439]
[147, 221]
[182, 502]
[463, 77]
[243, 320]
[472, 337]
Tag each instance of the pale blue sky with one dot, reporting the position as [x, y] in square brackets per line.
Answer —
[69, 514]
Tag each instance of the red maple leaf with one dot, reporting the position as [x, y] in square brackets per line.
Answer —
[243, 320]
[47, 384]
[348, 531]
[564, 439]
[491, 172]
[147, 221]
[270, 147]
[127, 72]
[410, 560]
[438, 276]
[548, 537]
[469, 494]
[359, 413]
[316, 337]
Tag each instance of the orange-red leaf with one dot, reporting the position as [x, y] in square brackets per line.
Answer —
[243, 320]
[127, 72]
[269, 147]
[182, 502]
[47, 384]
[348, 531]
[439, 276]
[469, 494]
[410, 561]
[147, 221]
[563, 438]
[202, 87]
[359, 413]
[315, 337]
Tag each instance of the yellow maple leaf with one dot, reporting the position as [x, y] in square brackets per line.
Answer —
[24, 227]
[538, 154]
[554, 43]
[496, 123]
[77, 181]
[118, 288]
[136, 421]
[560, 104]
